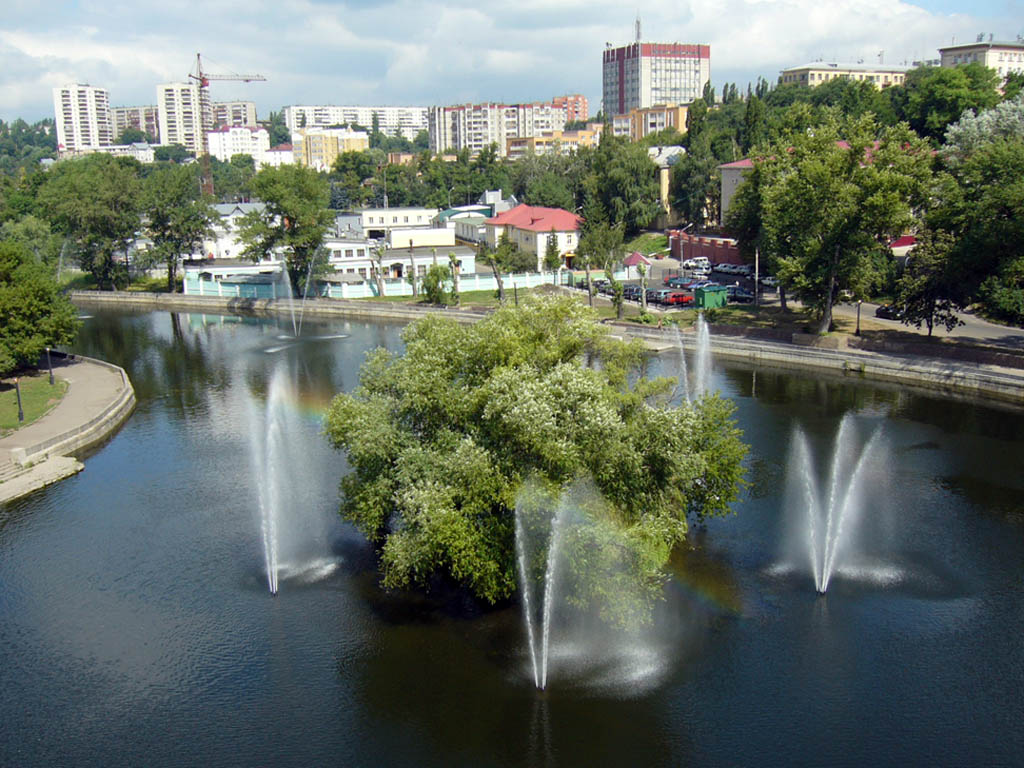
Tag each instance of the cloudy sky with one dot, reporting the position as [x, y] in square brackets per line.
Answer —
[447, 51]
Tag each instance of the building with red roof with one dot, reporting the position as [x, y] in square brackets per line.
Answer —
[529, 227]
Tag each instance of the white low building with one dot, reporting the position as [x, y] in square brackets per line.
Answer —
[377, 222]
[530, 226]
[225, 143]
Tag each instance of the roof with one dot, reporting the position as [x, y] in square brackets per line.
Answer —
[826, 65]
[535, 218]
[634, 259]
[903, 242]
[985, 44]
[744, 163]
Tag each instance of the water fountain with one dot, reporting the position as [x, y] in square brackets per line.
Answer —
[830, 525]
[702, 360]
[682, 376]
[292, 531]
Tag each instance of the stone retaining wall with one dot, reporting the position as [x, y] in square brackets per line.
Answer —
[95, 430]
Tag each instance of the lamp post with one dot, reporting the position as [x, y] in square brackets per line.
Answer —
[17, 389]
[857, 332]
[49, 364]
[450, 189]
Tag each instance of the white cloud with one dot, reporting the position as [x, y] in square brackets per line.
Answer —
[407, 52]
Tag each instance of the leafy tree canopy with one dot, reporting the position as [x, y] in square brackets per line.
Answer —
[33, 313]
[443, 439]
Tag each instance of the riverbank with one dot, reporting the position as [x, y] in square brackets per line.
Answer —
[967, 370]
[98, 400]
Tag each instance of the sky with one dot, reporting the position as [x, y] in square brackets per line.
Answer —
[400, 52]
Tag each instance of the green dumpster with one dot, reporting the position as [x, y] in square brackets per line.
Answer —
[711, 297]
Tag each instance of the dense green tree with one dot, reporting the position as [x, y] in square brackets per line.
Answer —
[626, 183]
[982, 205]
[829, 207]
[924, 291]
[95, 201]
[550, 191]
[132, 135]
[172, 153]
[755, 124]
[434, 283]
[934, 97]
[552, 255]
[975, 130]
[33, 313]
[22, 146]
[294, 220]
[36, 235]
[447, 438]
[279, 133]
[177, 218]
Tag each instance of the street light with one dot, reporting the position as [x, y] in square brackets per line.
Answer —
[49, 364]
[17, 389]
[450, 189]
[857, 332]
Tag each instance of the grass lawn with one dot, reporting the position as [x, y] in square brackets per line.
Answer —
[37, 397]
[647, 243]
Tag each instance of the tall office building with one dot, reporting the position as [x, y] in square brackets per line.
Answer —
[184, 115]
[82, 113]
[234, 114]
[641, 75]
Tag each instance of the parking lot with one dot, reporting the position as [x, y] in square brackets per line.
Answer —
[672, 286]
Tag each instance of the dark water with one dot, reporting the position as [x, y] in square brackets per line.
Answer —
[136, 627]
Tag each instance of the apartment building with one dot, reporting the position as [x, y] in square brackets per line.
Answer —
[224, 143]
[1004, 57]
[319, 147]
[641, 75]
[638, 123]
[576, 107]
[406, 122]
[82, 114]
[184, 115]
[818, 72]
[475, 126]
[233, 113]
[145, 119]
[550, 142]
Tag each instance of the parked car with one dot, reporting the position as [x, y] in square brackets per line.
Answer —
[744, 269]
[889, 312]
[739, 295]
[658, 295]
[631, 291]
[693, 286]
[677, 281]
[769, 281]
[678, 299]
[722, 267]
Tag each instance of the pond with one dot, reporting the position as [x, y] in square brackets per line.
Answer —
[137, 627]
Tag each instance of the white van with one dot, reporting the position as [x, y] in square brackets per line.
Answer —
[699, 262]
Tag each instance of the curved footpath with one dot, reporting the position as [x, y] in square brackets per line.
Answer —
[98, 399]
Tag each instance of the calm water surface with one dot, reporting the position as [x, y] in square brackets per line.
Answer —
[136, 627]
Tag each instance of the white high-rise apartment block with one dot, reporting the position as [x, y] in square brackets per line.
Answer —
[475, 126]
[182, 117]
[641, 75]
[226, 142]
[394, 121]
[82, 113]
[234, 113]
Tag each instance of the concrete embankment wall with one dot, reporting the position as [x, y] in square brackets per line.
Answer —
[982, 373]
[94, 430]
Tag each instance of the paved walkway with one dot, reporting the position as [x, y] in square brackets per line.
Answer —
[91, 389]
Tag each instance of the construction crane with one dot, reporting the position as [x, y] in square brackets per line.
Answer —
[206, 115]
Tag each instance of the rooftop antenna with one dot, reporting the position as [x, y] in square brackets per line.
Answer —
[639, 37]
[881, 56]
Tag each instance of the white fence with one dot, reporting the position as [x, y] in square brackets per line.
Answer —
[479, 281]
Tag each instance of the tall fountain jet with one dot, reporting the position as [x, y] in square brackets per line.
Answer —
[830, 523]
[702, 362]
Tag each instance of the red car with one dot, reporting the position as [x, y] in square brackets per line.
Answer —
[678, 299]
